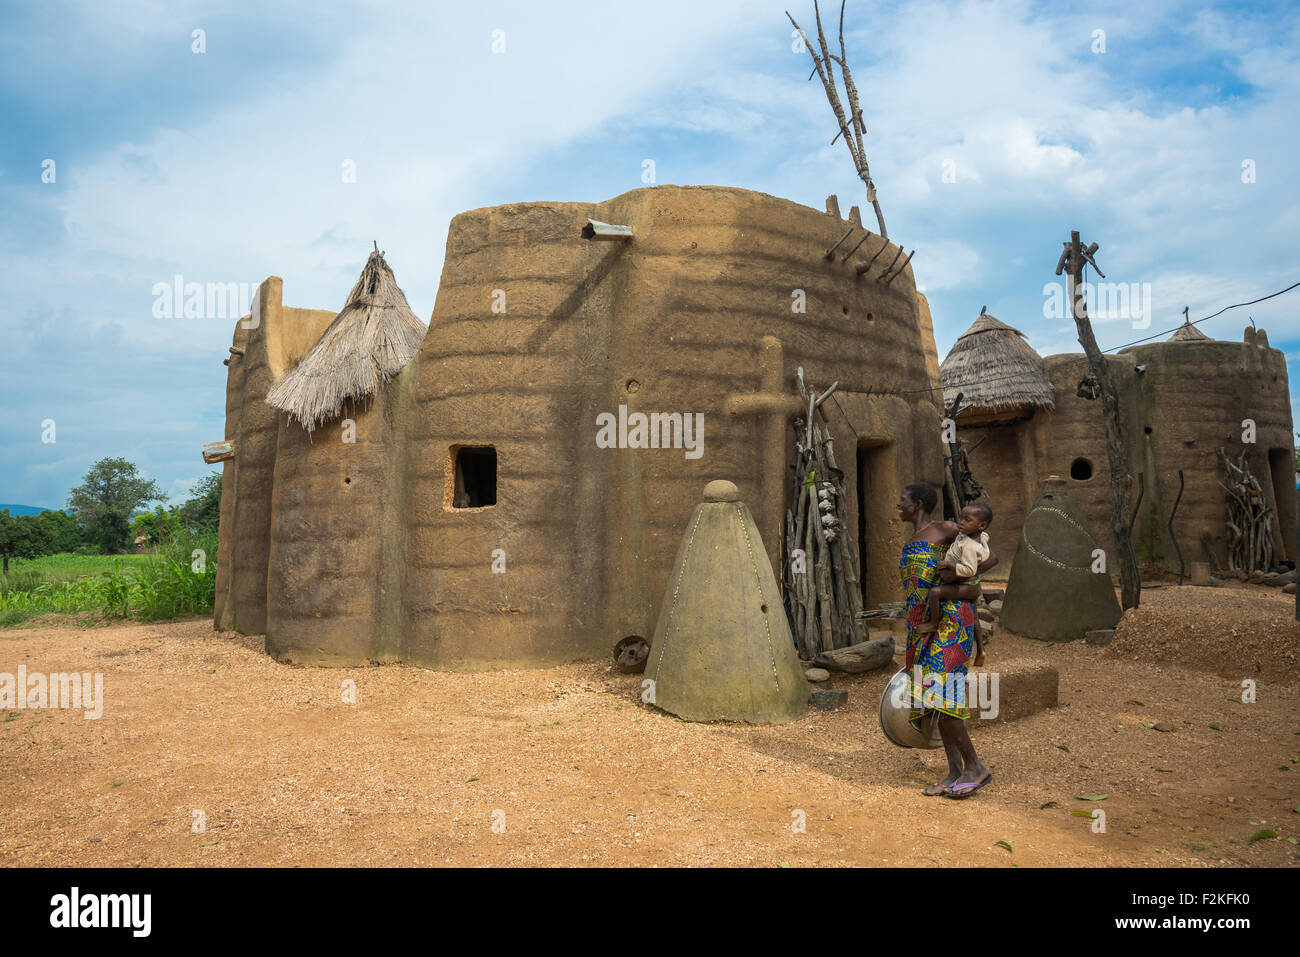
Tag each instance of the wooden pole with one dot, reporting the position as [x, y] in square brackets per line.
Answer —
[1073, 261]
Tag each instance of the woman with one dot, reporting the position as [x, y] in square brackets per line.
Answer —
[941, 655]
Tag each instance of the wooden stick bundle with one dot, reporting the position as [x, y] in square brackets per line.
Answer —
[1250, 518]
[823, 587]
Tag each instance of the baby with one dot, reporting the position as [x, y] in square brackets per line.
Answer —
[969, 548]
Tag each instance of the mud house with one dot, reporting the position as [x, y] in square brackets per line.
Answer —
[1180, 400]
[515, 494]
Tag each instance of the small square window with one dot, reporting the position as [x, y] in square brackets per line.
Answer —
[476, 477]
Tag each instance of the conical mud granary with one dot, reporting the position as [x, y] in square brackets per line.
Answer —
[722, 648]
[1053, 593]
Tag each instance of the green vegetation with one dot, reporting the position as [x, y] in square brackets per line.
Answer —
[111, 491]
[170, 583]
[52, 561]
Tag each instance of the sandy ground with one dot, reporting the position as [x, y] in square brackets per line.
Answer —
[421, 766]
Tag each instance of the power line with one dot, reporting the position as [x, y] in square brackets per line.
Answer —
[1235, 305]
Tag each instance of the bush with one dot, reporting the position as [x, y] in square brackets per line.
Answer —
[171, 583]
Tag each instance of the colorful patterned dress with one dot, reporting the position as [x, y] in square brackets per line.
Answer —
[943, 664]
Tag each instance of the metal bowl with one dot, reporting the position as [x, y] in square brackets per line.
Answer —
[896, 721]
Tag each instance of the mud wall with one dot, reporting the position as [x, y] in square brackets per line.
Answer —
[1189, 400]
[535, 333]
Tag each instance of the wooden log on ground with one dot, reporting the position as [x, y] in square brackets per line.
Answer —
[864, 656]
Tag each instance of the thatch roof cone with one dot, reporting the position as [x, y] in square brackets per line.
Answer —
[1188, 333]
[722, 648]
[994, 368]
[367, 344]
[1053, 594]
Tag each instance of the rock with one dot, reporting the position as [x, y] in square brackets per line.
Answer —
[1256, 577]
[988, 628]
[1163, 726]
[828, 700]
[817, 674]
[864, 656]
[1287, 577]
[985, 614]
[1288, 589]
[995, 606]
[1101, 636]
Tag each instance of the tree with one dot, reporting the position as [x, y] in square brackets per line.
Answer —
[105, 499]
[21, 536]
[158, 526]
[62, 529]
[202, 510]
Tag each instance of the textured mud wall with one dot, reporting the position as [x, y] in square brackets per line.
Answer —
[667, 323]
[1005, 465]
[1189, 401]
[272, 338]
[535, 333]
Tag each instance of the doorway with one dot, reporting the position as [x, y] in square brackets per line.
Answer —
[874, 489]
[1281, 467]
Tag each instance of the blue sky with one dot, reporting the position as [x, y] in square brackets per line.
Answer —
[225, 166]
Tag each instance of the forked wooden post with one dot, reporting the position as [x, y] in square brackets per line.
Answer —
[1072, 262]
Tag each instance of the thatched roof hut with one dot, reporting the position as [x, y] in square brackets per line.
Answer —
[367, 344]
[1188, 333]
[997, 373]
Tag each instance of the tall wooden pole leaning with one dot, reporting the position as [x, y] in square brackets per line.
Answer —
[1072, 262]
[852, 126]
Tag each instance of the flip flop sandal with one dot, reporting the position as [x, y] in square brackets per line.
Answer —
[964, 790]
[934, 790]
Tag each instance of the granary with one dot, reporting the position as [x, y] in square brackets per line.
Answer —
[1181, 401]
[1057, 590]
[460, 511]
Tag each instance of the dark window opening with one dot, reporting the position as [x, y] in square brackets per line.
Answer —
[476, 477]
[1081, 470]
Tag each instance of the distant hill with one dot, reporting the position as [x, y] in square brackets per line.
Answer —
[17, 510]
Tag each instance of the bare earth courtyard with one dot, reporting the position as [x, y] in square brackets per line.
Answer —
[417, 769]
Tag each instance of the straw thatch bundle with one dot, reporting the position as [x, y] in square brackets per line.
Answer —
[1188, 333]
[995, 369]
[367, 344]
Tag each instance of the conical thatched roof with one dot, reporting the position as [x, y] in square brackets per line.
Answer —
[1188, 333]
[367, 344]
[994, 368]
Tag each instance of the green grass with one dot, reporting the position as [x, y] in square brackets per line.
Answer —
[148, 587]
[26, 573]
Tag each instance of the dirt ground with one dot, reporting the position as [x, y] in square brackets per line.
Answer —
[421, 766]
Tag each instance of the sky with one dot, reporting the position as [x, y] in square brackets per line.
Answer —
[134, 150]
